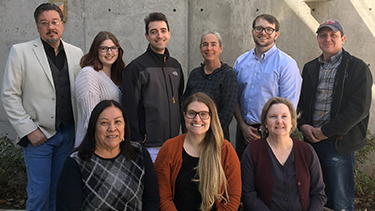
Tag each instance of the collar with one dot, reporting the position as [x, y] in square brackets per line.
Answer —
[222, 67]
[166, 52]
[47, 47]
[160, 57]
[266, 54]
[333, 60]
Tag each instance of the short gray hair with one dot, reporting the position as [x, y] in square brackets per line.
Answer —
[218, 36]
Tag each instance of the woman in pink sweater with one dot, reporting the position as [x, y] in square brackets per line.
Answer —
[100, 79]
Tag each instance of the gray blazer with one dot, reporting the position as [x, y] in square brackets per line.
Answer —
[28, 92]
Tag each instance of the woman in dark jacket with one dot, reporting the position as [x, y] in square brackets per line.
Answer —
[108, 172]
[216, 79]
[280, 173]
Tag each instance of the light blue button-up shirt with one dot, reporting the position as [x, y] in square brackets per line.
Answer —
[275, 74]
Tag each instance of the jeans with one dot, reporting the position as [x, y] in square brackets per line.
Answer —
[338, 175]
[43, 165]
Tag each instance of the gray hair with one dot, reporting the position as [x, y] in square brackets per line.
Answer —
[218, 36]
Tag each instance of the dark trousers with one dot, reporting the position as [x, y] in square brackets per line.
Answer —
[240, 140]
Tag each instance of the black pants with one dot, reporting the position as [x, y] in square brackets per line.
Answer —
[240, 140]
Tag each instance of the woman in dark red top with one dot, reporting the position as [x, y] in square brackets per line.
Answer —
[280, 173]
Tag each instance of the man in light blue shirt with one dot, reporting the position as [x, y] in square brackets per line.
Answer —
[262, 73]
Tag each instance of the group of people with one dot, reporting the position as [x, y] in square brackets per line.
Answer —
[124, 122]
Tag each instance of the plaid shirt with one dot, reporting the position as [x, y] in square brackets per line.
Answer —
[324, 93]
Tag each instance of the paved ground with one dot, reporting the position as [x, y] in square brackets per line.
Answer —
[325, 209]
[10, 210]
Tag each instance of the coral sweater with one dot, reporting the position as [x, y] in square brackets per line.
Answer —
[168, 164]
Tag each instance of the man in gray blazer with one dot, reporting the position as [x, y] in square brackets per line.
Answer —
[37, 95]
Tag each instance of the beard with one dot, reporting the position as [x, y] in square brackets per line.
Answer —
[52, 40]
[268, 43]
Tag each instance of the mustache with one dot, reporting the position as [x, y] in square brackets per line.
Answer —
[48, 33]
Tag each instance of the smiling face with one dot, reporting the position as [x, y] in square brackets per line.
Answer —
[109, 57]
[158, 35]
[197, 126]
[279, 120]
[109, 129]
[210, 48]
[330, 42]
[263, 39]
[50, 33]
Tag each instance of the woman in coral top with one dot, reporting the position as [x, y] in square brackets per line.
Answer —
[199, 170]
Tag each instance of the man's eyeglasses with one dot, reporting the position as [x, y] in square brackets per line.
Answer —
[104, 49]
[203, 114]
[46, 23]
[268, 30]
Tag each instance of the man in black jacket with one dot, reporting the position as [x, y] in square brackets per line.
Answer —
[334, 105]
[152, 85]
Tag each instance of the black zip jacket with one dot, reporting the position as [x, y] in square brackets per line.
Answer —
[350, 104]
[152, 85]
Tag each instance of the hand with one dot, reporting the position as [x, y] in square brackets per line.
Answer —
[307, 131]
[37, 137]
[249, 133]
[317, 132]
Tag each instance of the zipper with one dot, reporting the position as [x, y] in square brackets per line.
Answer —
[342, 93]
[167, 93]
[170, 81]
[343, 86]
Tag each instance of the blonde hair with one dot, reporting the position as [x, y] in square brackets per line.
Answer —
[266, 108]
[210, 173]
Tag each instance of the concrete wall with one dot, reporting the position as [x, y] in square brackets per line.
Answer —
[85, 19]
[188, 20]
[298, 23]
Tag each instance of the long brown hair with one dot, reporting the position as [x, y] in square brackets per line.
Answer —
[210, 173]
[92, 57]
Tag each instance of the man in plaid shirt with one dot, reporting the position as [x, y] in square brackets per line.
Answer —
[334, 105]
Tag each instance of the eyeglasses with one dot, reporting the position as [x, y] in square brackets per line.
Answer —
[268, 30]
[104, 49]
[204, 115]
[46, 23]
